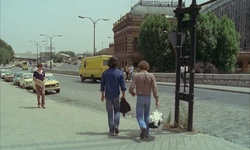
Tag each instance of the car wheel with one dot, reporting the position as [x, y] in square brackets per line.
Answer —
[82, 79]
[58, 91]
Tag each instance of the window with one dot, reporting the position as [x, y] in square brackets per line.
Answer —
[105, 62]
[135, 44]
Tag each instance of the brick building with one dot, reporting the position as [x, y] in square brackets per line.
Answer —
[127, 28]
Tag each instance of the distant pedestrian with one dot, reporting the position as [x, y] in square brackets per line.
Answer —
[183, 71]
[130, 72]
[142, 85]
[112, 83]
[39, 78]
[126, 71]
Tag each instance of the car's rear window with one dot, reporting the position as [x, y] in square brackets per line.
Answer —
[27, 76]
[105, 62]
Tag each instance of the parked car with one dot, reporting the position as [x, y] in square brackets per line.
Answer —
[2, 73]
[17, 77]
[33, 69]
[50, 83]
[9, 75]
[26, 80]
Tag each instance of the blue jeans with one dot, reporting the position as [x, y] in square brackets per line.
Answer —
[113, 110]
[142, 111]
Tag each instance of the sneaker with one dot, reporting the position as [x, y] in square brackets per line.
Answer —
[142, 134]
[116, 130]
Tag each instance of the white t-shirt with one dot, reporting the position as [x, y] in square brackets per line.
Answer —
[182, 69]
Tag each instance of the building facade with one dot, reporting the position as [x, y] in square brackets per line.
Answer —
[127, 28]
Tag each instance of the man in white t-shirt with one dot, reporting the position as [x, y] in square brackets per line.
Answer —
[130, 72]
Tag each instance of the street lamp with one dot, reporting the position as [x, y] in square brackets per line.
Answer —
[36, 43]
[41, 51]
[94, 24]
[51, 37]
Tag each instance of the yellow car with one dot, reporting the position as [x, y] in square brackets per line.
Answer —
[26, 80]
[50, 84]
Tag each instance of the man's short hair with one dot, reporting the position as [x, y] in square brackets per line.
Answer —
[39, 65]
[143, 65]
[112, 62]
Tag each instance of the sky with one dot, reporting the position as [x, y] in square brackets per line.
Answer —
[22, 21]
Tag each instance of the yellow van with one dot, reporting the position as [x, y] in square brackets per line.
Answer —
[93, 67]
[24, 65]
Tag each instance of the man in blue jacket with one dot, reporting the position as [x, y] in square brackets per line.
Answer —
[111, 84]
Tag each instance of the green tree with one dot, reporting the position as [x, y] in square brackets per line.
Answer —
[6, 52]
[153, 43]
[206, 36]
[217, 42]
[228, 45]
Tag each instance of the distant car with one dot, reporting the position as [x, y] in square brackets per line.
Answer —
[33, 69]
[17, 77]
[2, 73]
[50, 83]
[26, 80]
[9, 75]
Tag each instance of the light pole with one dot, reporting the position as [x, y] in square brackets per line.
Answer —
[36, 43]
[50, 37]
[41, 51]
[94, 24]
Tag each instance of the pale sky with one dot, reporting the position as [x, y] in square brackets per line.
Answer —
[23, 21]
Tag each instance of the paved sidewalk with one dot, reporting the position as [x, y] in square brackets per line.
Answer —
[234, 89]
[63, 127]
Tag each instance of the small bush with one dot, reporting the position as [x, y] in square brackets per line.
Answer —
[210, 68]
[199, 67]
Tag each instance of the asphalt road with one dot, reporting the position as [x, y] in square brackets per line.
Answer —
[222, 114]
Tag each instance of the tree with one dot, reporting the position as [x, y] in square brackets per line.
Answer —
[206, 36]
[6, 52]
[228, 45]
[153, 43]
[217, 42]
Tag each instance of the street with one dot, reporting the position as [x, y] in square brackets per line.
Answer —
[218, 113]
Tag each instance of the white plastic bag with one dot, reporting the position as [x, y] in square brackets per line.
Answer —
[156, 118]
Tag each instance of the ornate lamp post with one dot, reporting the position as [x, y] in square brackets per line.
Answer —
[94, 24]
[51, 37]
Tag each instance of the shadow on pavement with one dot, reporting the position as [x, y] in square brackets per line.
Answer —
[129, 135]
[32, 107]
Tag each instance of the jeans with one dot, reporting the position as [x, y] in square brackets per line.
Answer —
[113, 110]
[142, 111]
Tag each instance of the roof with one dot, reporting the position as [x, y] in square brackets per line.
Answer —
[27, 56]
[143, 8]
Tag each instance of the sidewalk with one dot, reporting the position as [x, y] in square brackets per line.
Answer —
[63, 127]
[234, 89]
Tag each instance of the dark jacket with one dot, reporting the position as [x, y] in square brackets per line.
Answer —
[124, 107]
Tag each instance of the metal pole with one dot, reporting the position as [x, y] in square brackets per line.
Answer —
[192, 69]
[178, 53]
[36, 53]
[94, 23]
[40, 54]
[50, 53]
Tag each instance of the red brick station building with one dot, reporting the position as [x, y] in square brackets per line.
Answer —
[126, 31]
